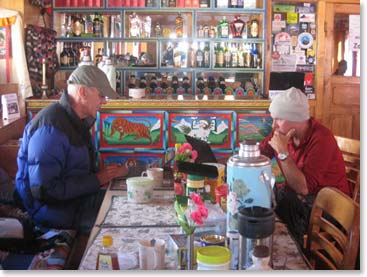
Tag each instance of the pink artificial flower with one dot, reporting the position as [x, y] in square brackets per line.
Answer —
[194, 154]
[184, 147]
[196, 217]
[203, 211]
[196, 198]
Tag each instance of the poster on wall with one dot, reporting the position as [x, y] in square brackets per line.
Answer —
[354, 32]
[294, 43]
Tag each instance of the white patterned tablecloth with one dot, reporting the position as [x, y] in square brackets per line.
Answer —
[125, 241]
[159, 212]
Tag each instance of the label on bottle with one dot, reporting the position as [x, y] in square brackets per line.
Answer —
[104, 262]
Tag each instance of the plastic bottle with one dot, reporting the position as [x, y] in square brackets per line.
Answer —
[107, 258]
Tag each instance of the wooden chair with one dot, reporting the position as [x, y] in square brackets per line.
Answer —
[351, 154]
[333, 243]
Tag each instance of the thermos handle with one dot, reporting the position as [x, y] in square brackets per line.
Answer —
[270, 183]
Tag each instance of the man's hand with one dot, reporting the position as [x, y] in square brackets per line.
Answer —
[110, 172]
[279, 141]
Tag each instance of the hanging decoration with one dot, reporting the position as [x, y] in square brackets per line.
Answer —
[5, 42]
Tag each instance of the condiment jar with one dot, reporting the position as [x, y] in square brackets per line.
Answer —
[213, 258]
[195, 183]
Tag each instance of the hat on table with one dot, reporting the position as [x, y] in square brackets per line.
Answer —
[92, 76]
[290, 105]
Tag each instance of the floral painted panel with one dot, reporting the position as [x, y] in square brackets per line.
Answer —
[253, 126]
[131, 130]
[213, 128]
[135, 162]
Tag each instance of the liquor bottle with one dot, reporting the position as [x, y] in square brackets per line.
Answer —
[227, 57]
[211, 83]
[97, 26]
[254, 28]
[179, 25]
[199, 57]
[204, 3]
[200, 31]
[164, 3]
[70, 54]
[107, 258]
[221, 83]
[247, 56]
[157, 30]
[150, 3]
[153, 83]
[78, 26]
[237, 27]
[222, 3]
[69, 28]
[212, 32]
[219, 60]
[132, 81]
[255, 56]
[200, 83]
[240, 4]
[241, 58]
[64, 61]
[233, 4]
[177, 58]
[206, 55]
[171, 3]
[164, 84]
[174, 83]
[223, 28]
[234, 56]
[88, 25]
[206, 31]
[64, 27]
[98, 57]
[186, 83]
[143, 82]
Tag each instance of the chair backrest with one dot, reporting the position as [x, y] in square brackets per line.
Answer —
[351, 154]
[333, 232]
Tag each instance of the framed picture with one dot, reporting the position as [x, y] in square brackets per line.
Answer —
[214, 128]
[253, 126]
[135, 130]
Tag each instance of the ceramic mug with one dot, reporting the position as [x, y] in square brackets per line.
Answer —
[151, 254]
[139, 189]
[156, 173]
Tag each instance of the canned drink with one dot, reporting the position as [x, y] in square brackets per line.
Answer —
[233, 246]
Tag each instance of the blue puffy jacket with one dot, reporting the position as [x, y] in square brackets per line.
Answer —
[56, 165]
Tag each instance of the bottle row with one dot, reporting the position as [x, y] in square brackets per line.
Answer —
[171, 84]
[175, 55]
[154, 25]
[246, 4]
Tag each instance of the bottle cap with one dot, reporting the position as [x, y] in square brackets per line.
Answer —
[107, 240]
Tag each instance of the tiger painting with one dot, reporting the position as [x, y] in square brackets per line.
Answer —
[125, 127]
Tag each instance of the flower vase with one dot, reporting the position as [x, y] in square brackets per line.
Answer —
[190, 252]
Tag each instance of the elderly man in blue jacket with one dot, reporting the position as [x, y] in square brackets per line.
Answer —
[57, 179]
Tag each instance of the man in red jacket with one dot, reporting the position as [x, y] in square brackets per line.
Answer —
[308, 156]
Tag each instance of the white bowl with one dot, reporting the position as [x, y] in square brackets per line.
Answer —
[136, 92]
[140, 189]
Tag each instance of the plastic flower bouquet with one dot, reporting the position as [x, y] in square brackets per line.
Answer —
[185, 153]
[194, 215]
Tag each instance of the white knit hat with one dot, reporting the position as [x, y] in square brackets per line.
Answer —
[291, 105]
